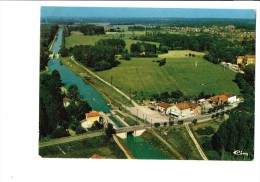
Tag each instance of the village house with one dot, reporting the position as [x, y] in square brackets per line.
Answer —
[184, 110]
[245, 60]
[91, 117]
[221, 99]
[66, 102]
[162, 107]
[250, 59]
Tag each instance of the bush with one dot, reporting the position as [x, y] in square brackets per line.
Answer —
[207, 145]
[195, 121]
[208, 130]
[60, 132]
[171, 123]
[80, 130]
[213, 116]
[157, 125]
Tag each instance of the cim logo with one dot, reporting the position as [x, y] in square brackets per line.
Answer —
[239, 152]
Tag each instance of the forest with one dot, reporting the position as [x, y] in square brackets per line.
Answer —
[51, 101]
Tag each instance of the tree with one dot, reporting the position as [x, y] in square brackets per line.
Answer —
[195, 121]
[73, 93]
[110, 130]
[249, 75]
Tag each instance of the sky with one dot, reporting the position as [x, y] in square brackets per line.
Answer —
[146, 12]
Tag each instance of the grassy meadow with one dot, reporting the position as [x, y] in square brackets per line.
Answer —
[77, 38]
[180, 73]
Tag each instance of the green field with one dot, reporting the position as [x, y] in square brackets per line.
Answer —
[180, 73]
[84, 149]
[77, 38]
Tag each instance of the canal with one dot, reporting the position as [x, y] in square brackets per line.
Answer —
[139, 147]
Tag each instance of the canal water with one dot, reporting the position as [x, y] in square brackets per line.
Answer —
[140, 148]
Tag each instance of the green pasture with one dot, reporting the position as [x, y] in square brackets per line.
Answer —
[146, 77]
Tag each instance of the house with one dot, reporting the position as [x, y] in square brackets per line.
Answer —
[95, 156]
[66, 102]
[91, 117]
[240, 60]
[221, 99]
[184, 110]
[162, 107]
[250, 59]
[231, 98]
[245, 60]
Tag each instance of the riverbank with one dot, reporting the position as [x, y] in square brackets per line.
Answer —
[111, 96]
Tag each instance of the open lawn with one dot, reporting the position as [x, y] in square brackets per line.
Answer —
[84, 149]
[146, 77]
[77, 38]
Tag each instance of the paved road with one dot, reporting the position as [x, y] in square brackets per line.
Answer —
[70, 139]
[195, 142]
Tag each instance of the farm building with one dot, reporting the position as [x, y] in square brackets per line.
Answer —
[221, 99]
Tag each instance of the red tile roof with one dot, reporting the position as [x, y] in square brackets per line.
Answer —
[186, 105]
[95, 156]
[250, 56]
[164, 105]
[219, 99]
[92, 114]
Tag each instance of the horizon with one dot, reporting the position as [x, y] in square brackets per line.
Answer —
[125, 12]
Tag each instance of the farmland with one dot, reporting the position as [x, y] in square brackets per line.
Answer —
[179, 73]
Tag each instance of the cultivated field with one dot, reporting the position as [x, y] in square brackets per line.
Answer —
[146, 76]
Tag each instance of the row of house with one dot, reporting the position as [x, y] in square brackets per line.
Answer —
[245, 60]
[188, 109]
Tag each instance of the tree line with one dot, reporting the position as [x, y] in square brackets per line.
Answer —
[86, 29]
[54, 117]
[47, 34]
[218, 49]
[237, 133]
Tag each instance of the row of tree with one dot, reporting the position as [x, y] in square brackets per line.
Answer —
[86, 29]
[237, 133]
[219, 49]
[47, 35]
[54, 118]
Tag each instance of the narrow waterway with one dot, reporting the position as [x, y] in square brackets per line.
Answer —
[140, 148]
[68, 77]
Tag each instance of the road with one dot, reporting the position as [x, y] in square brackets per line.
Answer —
[70, 139]
[195, 142]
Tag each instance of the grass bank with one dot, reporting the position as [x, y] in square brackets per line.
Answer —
[84, 149]
[112, 96]
[158, 144]
[178, 137]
